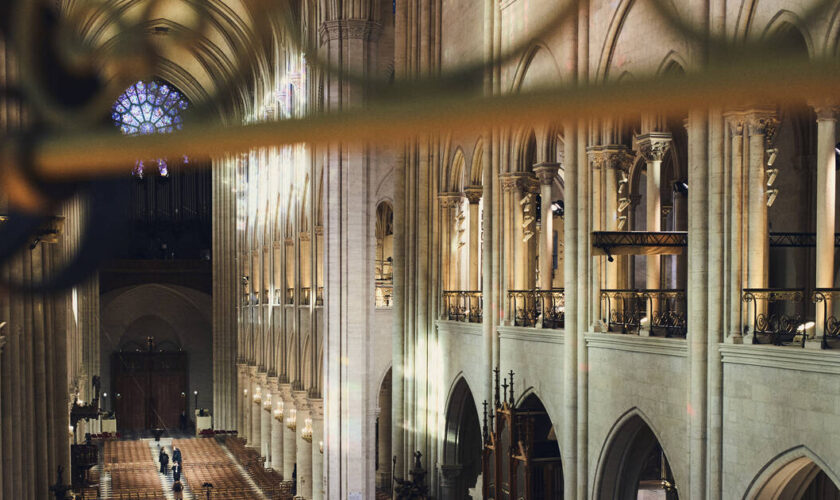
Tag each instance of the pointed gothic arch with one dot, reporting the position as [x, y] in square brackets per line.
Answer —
[795, 474]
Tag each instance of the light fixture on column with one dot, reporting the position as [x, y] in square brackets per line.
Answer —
[278, 412]
[772, 153]
[525, 199]
[258, 395]
[527, 221]
[267, 402]
[622, 181]
[291, 419]
[306, 432]
[623, 203]
[195, 395]
[771, 196]
[772, 173]
[622, 220]
[321, 447]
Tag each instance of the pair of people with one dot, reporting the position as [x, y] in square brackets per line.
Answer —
[163, 458]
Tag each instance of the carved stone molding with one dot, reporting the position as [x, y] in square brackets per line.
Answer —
[826, 111]
[301, 399]
[654, 145]
[304, 236]
[523, 181]
[289, 241]
[762, 122]
[316, 409]
[450, 200]
[473, 194]
[546, 172]
[596, 156]
[319, 230]
[350, 29]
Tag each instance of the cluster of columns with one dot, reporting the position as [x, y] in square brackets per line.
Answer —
[461, 239]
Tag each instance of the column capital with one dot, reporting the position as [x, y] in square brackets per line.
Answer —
[304, 236]
[316, 409]
[301, 400]
[525, 182]
[825, 109]
[761, 121]
[449, 200]
[285, 390]
[289, 241]
[654, 145]
[596, 155]
[349, 29]
[546, 172]
[473, 194]
[618, 157]
[319, 230]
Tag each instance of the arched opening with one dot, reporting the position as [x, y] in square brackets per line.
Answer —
[798, 479]
[383, 436]
[462, 445]
[634, 465]
[384, 267]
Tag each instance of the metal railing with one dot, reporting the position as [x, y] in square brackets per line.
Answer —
[463, 305]
[384, 296]
[824, 297]
[278, 296]
[290, 296]
[656, 312]
[544, 307]
[777, 315]
[305, 296]
[319, 296]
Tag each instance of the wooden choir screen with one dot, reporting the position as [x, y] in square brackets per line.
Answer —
[150, 387]
[521, 458]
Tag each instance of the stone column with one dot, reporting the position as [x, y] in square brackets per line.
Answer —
[265, 427]
[289, 441]
[736, 227]
[826, 206]
[2, 447]
[761, 125]
[653, 147]
[304, 446]
[617, 161]
[256, 417]
[447, 221]
[450, 480]
[473, 194]
[383, 473]
[316, 413]
[277, 434]
[546, 173]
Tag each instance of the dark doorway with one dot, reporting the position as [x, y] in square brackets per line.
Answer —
[149, 388]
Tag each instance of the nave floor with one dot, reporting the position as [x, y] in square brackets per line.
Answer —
[129, 470]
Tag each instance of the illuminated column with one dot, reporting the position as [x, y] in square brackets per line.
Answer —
[736, 227]
[653, 147]
[277, 433]
[304, 445]
[289, 444]
[617, 160]
[316, 413]
[265, 426]
[256, 414]
[761, 125]
[447, 206]
[546, 173]
[826, 197]
[473, 194]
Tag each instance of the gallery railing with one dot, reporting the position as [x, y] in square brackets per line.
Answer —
[290, 296]
[463, 305]
[653, 312]
[775, 315]
[824, 298]
[538, 307]
[278, 296]
[319, 296]
[305, 296]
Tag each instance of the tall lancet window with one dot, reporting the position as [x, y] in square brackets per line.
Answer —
[150, 108]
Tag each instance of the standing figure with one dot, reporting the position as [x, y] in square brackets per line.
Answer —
[164, 462]
[176, 456]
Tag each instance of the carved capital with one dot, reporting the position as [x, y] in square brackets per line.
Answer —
[285, 390]
[596, 156]
[522, 181]
[289, 242]
[450, 474]
[654, 145]
[546, 172]
[304, 236]
[350, 29]
[617, 156]
[762, 122]
[473, 194]
[450, 200]
[319, 230]
[825, 110]
[301, 399]
[316, 409]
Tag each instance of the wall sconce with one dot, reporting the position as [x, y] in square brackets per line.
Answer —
[306, 432]
[267, 402]
[278, 412]
[772, 173]
[321, 447]
[622, 220]
[771, 196]
[623, 203]
[195, 394]
[258, 396]
[772, 153]
[291, 420]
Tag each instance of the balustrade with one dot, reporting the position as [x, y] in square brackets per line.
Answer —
[290, 296]
[654, 312]
[305, 296]
[531, 307]
[825, 297]
[278, 296]
[777, 315]
[319, 296]
[463, 305]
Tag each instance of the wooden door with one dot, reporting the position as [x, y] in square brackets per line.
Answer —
[150, 387]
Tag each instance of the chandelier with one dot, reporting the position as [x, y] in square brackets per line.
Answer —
[149, 108]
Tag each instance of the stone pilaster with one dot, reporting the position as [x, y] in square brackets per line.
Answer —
[316, 413]
[473, 194]
[546, 173]
[304, 445]
[826, 207]
[653, 147]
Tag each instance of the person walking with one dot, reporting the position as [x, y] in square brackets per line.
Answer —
[176, 456]
[164, 462]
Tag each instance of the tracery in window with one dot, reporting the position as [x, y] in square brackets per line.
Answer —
[150, 108]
